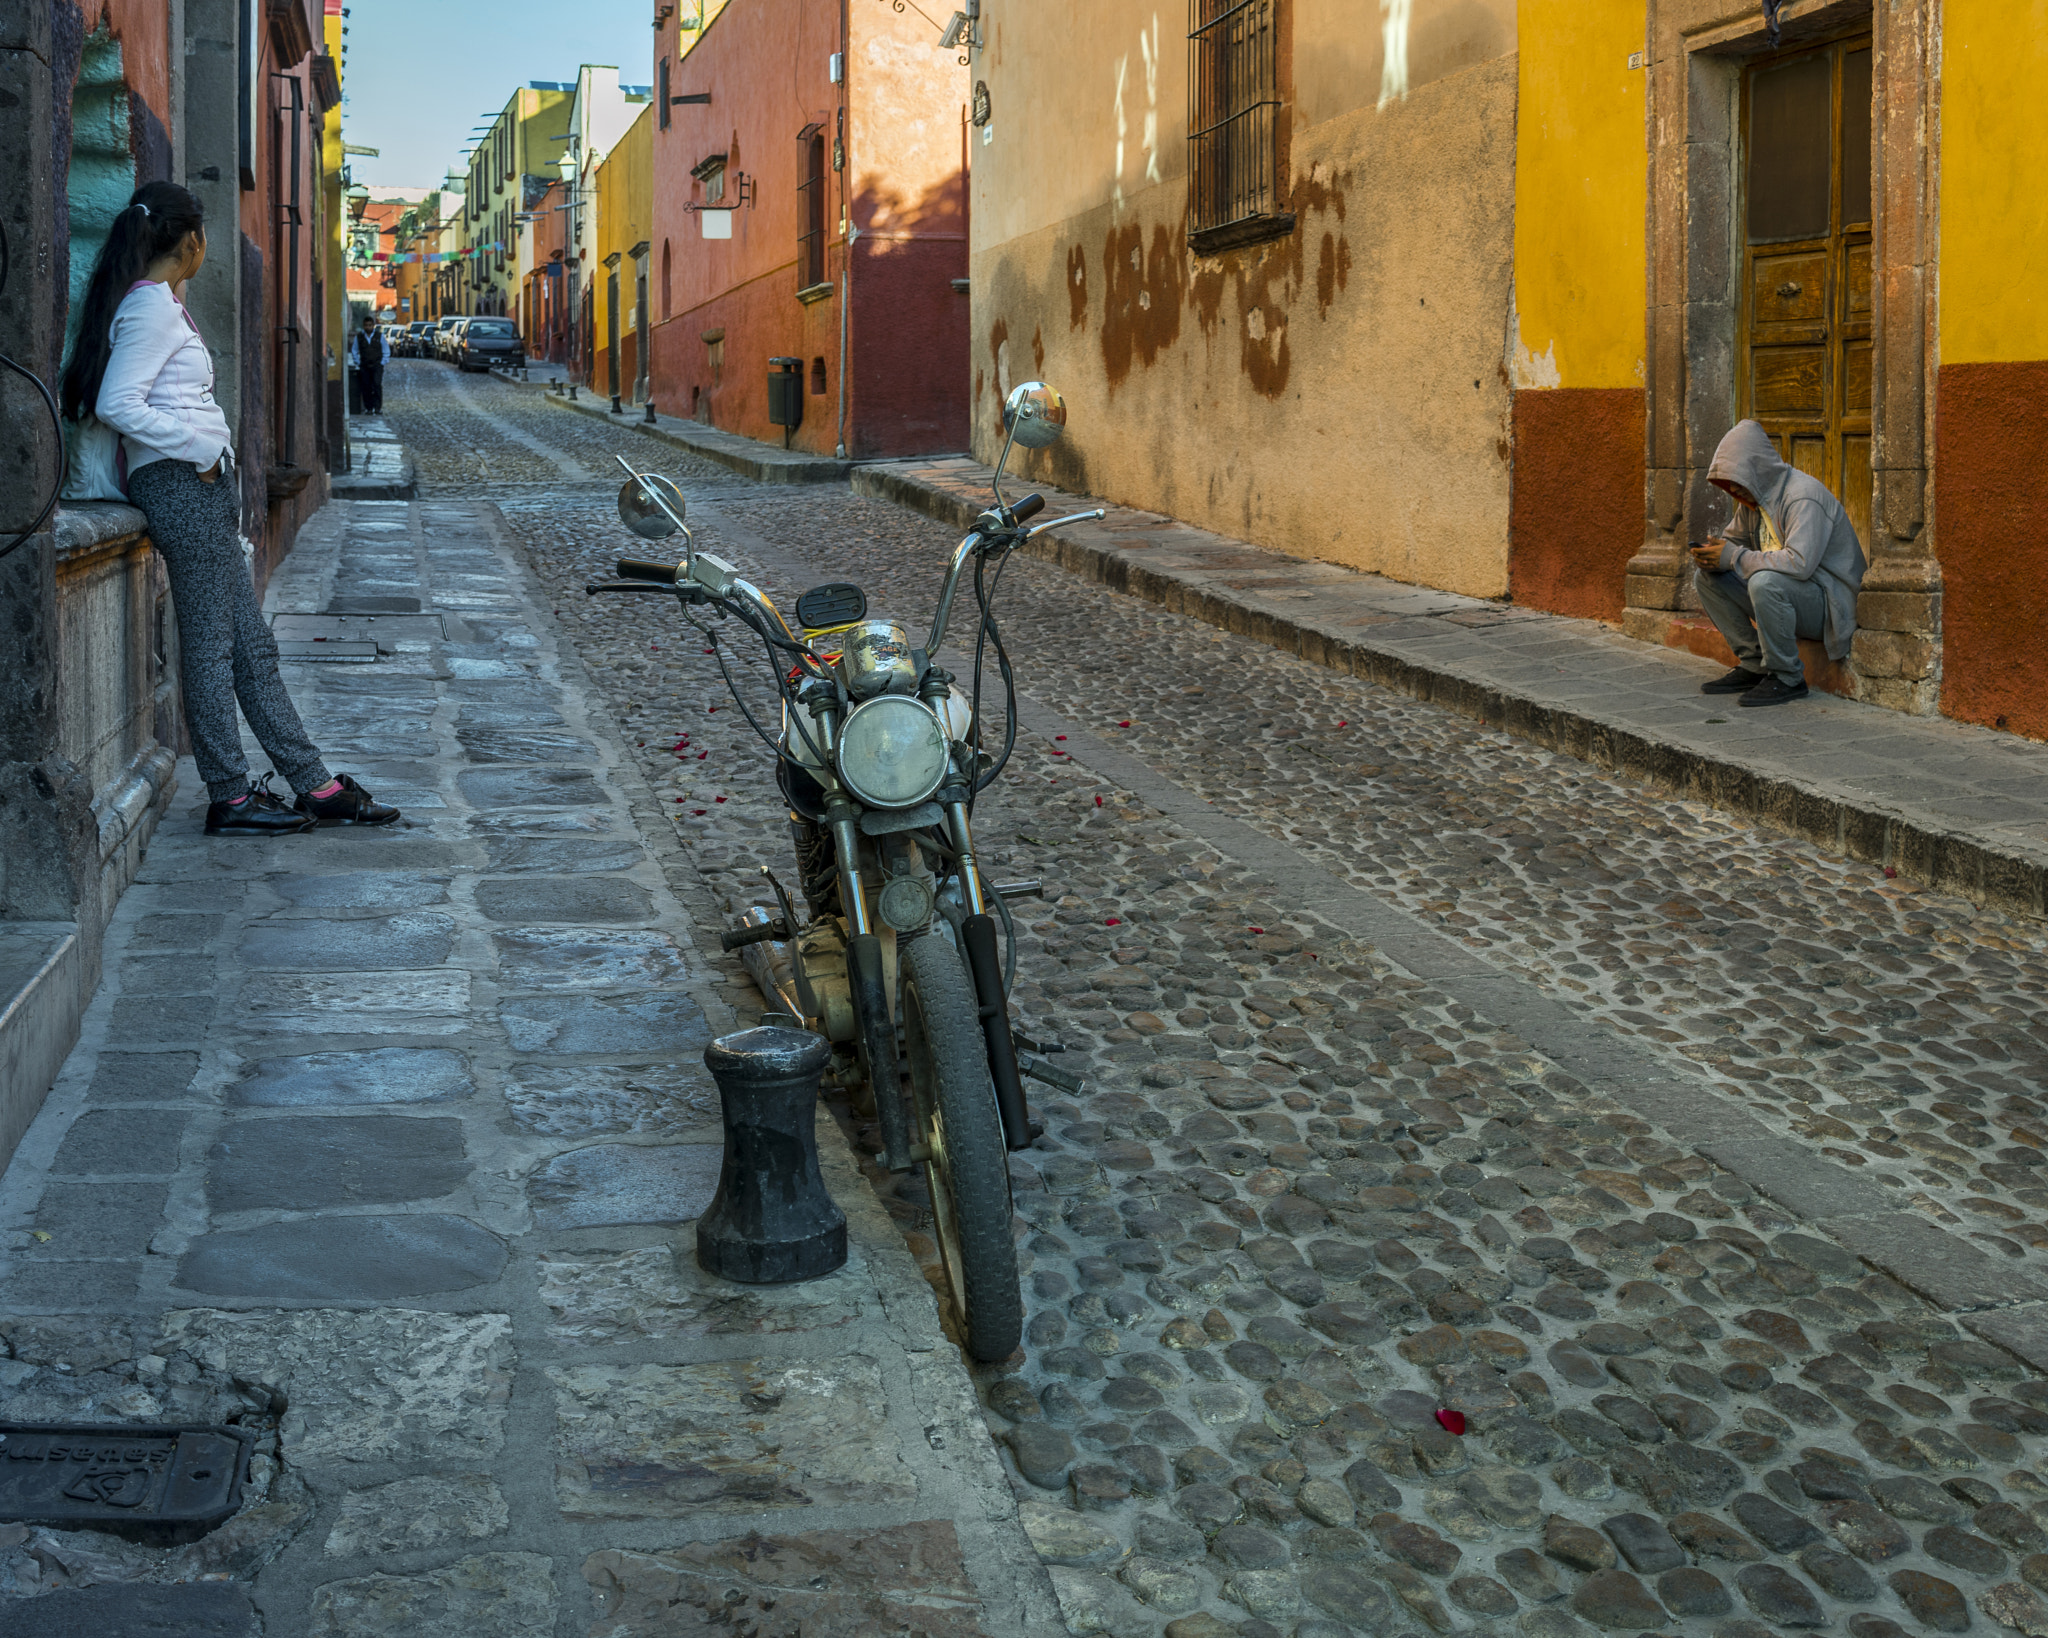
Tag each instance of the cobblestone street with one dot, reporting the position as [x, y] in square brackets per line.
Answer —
[1506, 1199]
[1431, 1077]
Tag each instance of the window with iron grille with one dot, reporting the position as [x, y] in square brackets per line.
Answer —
[1234, 133]
[810, 250]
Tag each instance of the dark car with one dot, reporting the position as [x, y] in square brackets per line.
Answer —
[416, 337]
[489, 341]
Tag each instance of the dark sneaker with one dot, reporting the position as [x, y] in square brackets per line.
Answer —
[1739, 681]
[1775, 691]
[351, 805]
[261, 815]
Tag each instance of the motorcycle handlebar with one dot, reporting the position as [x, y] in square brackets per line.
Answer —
[631, 568]
[1027, 508]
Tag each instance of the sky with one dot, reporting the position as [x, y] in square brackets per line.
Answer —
[421, 73]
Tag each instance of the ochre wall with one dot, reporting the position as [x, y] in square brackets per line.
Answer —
[1991, 407]
[1578, 343]
[1339, 394]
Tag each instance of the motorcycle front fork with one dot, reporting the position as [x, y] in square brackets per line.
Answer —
[870, 990]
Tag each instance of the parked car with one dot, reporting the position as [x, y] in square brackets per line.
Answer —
[438, 341]
[488, 341]
[416, 336]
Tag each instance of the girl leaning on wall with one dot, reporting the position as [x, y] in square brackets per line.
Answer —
[139, 390]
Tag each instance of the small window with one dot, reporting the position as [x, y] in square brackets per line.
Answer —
[664, 279]
[810, 258]
[1234, 123]
[817, 377]
[661, 92]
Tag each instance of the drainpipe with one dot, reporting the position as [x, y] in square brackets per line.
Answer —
[846, 216]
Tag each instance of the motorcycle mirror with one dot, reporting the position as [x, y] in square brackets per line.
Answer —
[640, 512]
[1035, 415]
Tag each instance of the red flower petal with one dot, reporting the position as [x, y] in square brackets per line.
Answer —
[1258, 929]
[1059, 736]
[1451, 1421]
[1124, 724]
[1113, 921]
[1098, 801]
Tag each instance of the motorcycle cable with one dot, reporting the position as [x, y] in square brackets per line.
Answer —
[775, 675]
[49, 403]
[985, 596]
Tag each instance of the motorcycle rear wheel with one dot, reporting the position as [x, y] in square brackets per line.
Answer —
[953, 1109]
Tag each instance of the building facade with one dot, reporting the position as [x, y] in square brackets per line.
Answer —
[619, 294]
[602, 112]
[517, 156]
[1468, 297]
[810, 205]
[100, 95]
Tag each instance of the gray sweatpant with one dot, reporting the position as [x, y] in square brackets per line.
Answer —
[225, 651]
[1764, 617]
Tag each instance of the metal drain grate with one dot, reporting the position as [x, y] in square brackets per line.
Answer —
[155, 1483]
[357, 638]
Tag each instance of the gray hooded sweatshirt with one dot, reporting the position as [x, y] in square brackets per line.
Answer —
[1815, 537]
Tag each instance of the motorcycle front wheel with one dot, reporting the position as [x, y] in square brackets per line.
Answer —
[953, 1109]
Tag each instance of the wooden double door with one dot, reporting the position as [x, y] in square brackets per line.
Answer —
[1805, 343]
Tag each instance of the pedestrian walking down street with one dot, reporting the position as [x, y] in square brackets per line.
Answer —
[369, 350]
[139, 392]
[1789, 566]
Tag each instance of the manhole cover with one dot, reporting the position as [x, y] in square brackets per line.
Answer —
[160, 1483]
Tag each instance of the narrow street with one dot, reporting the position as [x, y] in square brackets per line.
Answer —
[1437, 1246]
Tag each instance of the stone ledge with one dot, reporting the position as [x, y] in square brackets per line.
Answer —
[83, 526]
[40, 1008]
[1407, 638]
[749, 457]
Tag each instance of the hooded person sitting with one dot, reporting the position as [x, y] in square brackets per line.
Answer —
[1789, 566]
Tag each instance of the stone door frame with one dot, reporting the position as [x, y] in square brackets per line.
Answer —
[1698, 49]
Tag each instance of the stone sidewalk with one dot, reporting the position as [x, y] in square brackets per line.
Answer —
[385, 1145]
[1961, 808]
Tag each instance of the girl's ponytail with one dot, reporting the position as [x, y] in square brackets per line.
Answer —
[152, 225]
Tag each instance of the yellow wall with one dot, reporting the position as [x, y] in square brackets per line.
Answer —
[1994, 139]
[625, 218]
[1337, 394]
[1581, 271]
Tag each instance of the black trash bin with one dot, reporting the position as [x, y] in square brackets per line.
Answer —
[786, 395]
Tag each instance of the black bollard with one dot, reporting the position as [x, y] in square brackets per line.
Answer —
[772, 1221]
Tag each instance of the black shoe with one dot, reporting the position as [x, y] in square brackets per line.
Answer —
[351, 805]
[1775, 691]
[261, 815]
[1739, 681]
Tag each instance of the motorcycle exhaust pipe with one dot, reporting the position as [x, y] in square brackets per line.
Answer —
[878, 1035]
[978, 935]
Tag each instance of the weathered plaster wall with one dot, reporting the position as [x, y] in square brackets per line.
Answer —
[1340, 394]
[1991, 416]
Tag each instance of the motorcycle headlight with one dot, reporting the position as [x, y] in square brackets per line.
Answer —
[892, 752]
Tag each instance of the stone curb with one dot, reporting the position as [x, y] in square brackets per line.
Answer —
[750, 458]
[1834, 817]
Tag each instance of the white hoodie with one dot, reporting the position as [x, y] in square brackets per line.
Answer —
[158, 389]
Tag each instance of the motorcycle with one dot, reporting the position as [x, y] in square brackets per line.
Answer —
[879, 756]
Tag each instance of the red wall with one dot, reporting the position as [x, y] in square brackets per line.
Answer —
[1575, 517]
[1991, 496]
[765, 66]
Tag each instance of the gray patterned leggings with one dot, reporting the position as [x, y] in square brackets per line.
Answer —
[225, 651]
